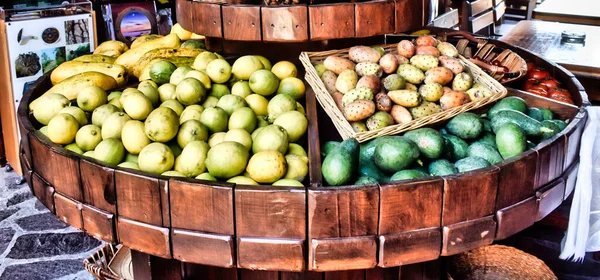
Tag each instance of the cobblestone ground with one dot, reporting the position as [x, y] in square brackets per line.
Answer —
[34, 244]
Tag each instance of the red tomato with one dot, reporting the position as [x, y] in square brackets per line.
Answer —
[538, 91]
[560, 94]
[530, 66]
[533, 83]
[550, 82]
[538, 74]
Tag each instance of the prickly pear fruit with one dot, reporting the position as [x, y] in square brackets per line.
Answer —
[463, 81]
[400, 114]
[360, 54]
[425, 109]
[440, 75]
[430, 50]
[388, 63]
[337, 97]
[451, 63]
[431, 92]
[329, 78]
[393, 82]
[357, 94]
[368, 68]
[379, 49]
[402, 59]
[411, 73]
[359, 110]
[424, 61]
[453, 99]
[479, 93]
[404, 97]
[346, 81]
[446, 90]
[369, 81]
[411, 87]
[477, 85]
[447, 49]
[338, 64]
[379, 120]
[320, 69]
[359, 126]
[426, 40]
[406, 48]
[383, 102]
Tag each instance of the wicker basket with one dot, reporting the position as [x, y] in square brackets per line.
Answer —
[98, 263]
[308, 59]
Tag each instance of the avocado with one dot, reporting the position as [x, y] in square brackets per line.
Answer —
[408, 174]
[488, 138]
[441, 167]
[530, 145]
[369, 169]
[467, 126]
[365, 180]
[368, 148]
[341, 164]
[471, 163]
[550, 125]
[459, 147]
[429, 141]
[443, 131]
[510, 102]
[511, 140]
[485, 151]
[536, 114]
[547, 114]
[531, 127]
[328, 147]
[561, 125]
[395, 153]
[487, 125]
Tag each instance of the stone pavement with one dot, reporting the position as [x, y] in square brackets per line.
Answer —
[34, 244]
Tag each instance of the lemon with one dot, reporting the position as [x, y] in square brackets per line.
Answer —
[192, 112]
[200, 76]
[88, 137]
[48, 106]
[261, 121]
[174, 148]
[203, 59]
[167, 92]
[190, 91]
[156, 158]
[241, 88]
[131, 158]
[89, 154]
[91, 97]
[230, 103]
[74, 148]
[280, 104]
[150, 91]
[134, 137]
[110, 150]
[174, 105]
[216, 139]
[288, 183]
[206, 176]
[130, 165]
[161, 125]
[255, 132]
[117, 103]
[239, 135]
[113, 126]
[219, 70]
[226, 159]
[297, 167]
[295, 149]
[292, 86]
[300, 108]
[62, 129]
[265, 62]
[181, 33]
[284, 69]
[294, 122]
[210, 101]
[272, 137]
[101, 113]
[172, 173]
[191, 130]
[113, 95]
[44, 130]
[242, 180]
[219, 90]
[77, 113]
[263, 82]
[320, 69]
[258, 104]
[179, 74]
[244, 66]
[267, 166]
[243, 118]
[191, 161]
[215, 118]
[136, 105]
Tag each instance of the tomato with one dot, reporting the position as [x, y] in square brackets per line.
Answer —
[538, 74]
[560, 94]
[533, 83]
[550, 82]
[530, 66]
[538, 91]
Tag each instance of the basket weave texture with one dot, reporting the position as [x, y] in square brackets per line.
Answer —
[97, 264]
[309, 59]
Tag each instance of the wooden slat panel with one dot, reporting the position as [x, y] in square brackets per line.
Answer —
[570, 178]
[343, 253]
[98, 184]
[144, 237]
[164, 202]
[68, 210]
[516, 179]
[550, 197]
[374, 18]
[465, 236]
[271, 254]
[258, 275]
[138, 197]
[195, 205]
[479, 6]
[481, 21]
[207, 19]
[331, 21]
[184, 12]
[573, 133]
[469, 195]
[550, 160]
[241, 23]
[43, 191]
[98, 223]
[515, 218]
[284, 23]
[314, 144]
[447, 20]
[203, 248]
[409, 247]
[499, 11]
[422, 271]
[407, 16]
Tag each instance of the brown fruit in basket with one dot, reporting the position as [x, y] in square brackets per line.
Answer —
[402, 59]
[369, 81]
[406, 48]
[384, 103]
[440, 75]
[446, 90]
[410, 86]
[379, 120]
[359, 126]
[406, 98]
[359, 110]
[338, 64]
[426, 40]
[453, 99]
[360, 54]
[451, 63]
[400, 114]
[329, 78]
[389, 63]
[346, 81]
[337, 97]
[430, 50]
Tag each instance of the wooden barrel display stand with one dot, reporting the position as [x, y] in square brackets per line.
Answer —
[193, 229]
